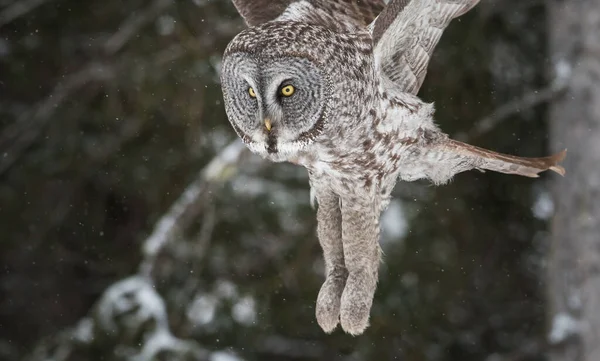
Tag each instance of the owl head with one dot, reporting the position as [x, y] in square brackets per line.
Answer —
[276, 91]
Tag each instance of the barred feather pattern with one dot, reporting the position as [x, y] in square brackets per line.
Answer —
[406, 34]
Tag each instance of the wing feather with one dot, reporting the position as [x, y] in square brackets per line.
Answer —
[360, 12]
[405, 35]
[256, 12]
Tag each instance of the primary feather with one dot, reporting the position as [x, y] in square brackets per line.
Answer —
[405, 35]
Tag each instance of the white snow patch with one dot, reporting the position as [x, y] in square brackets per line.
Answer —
[244, 311]
[160, 340]
[543, 208]
[393, 222]
[202, 310]
[84, 331]
[131, 303]
[224, 356]
[220, 164]
[563, 327]
[226, 289]
[563, 70]
[250, 186]
[133, 293]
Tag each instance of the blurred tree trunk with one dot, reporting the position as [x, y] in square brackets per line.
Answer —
[574, 261]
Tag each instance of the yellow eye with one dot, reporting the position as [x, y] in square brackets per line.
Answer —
[288, 90]
[251, 92]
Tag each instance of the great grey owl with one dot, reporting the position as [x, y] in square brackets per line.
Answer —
[330, 85]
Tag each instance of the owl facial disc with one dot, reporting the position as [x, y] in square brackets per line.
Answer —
[275, 103]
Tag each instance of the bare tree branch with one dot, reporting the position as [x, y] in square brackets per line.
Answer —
[131, 26]
[526, 101]
[189, 205]
[19, 9]
[23, 133]
[17, 138]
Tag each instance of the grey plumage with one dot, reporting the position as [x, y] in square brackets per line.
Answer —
[403, 59]
[330, 85]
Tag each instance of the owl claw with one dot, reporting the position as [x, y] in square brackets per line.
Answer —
[356, 303]
[328, 302]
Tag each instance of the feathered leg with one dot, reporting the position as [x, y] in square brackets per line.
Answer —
[360, 235]
[329, 230]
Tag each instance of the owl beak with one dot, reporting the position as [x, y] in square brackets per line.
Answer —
[268, 124]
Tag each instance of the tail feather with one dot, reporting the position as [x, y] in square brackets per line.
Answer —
[509, 164]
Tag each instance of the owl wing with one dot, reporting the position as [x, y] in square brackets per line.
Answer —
[256, 12]
[405, 35]
[362, 12]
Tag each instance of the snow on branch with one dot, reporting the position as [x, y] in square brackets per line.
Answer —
[131, 317]
[189, 205]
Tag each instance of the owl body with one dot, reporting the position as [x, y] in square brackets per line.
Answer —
[389, 143]
[369, 134]
[330, 85]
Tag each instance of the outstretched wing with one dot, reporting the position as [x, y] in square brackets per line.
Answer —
[405, 35]
[256, 12]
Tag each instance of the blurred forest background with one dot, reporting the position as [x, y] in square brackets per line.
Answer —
[134, 226]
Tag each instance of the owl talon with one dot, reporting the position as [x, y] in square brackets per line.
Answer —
[356, 303]
[328, 303]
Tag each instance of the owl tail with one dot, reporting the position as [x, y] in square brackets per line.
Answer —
[510, 164]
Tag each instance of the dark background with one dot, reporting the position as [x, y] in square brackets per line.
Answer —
[111, 110]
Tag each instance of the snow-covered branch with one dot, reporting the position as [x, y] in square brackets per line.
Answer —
[189, 205]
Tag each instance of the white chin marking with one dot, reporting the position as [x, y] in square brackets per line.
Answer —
[285, 151]
[259, 148]
[289, 147]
